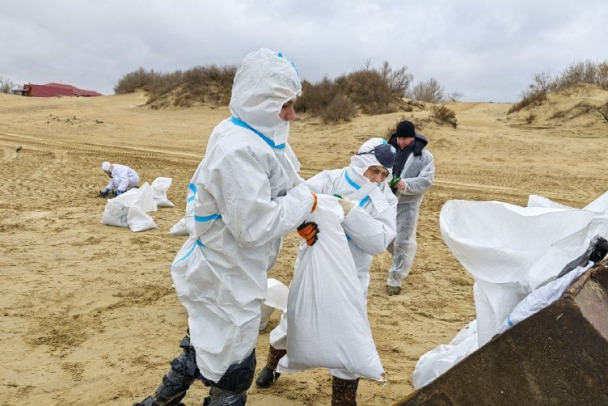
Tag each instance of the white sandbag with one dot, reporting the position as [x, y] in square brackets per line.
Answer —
[501, 245]
[159, 191]
[143, 198]
[443, 357]
[129, 209]
[326, 308]
[276, 298]
[115, 214]
[179, 228]
[139, 220]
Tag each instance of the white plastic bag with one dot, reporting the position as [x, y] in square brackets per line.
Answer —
[326, 308]
[509, 250]
[138, 220]
[276, 298]
[179, 228]
[159, 191]
[115, 214]
[130, 208]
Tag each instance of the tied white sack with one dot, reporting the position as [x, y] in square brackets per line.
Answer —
[501, 245]
[179, 228]
[276, 298]
[159, 191]
[130, 209]
[326, 308]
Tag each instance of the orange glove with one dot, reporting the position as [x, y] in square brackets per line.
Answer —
[309, 232]
[314, 205]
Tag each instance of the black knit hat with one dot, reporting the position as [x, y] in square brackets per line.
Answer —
[405, 129]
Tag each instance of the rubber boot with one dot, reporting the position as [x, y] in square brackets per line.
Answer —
[150, 402]
[344, 392]
[173, 388]
[268, 376]
[176, 382]
[220, 397]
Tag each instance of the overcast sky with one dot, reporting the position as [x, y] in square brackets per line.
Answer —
[488, 50]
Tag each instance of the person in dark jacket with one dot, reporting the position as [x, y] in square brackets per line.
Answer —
[413, 175]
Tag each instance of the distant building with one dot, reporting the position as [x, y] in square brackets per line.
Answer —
[56, 89]
[18, 91]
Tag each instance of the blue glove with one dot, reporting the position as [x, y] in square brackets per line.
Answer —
[118, 192]
[105, 193]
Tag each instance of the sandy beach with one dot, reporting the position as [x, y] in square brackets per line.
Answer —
[89, 316]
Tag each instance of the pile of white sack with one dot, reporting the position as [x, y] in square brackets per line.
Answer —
[514, 254]
[131, 208]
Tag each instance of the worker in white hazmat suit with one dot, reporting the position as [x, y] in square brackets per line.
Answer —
[122, 178]
[414, 174]
[369, 224]
[244, 197]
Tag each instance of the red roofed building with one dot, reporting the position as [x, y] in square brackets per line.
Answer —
[57, 89]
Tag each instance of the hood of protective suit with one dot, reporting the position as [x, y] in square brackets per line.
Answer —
[358, 166]
[360, 163]
[263, 83]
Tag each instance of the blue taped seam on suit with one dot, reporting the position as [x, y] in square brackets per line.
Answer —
[268, 141]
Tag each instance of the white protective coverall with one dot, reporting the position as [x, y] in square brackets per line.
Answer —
[369, 225]
[244, 197]
[418, 174]
[123, 178]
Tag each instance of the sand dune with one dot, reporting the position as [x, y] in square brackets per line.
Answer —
[89, 316]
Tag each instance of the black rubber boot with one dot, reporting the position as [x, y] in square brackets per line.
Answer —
[220, 397]
[176, 382]
[268, 376]
[231, 389]
[344, 392]
[150, 402]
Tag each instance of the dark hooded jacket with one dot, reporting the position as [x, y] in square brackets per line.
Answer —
[414, 164]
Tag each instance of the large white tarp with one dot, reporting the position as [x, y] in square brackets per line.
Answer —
[515, 255]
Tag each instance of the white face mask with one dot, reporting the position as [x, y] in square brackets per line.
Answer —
[263, 83]
[280, 134]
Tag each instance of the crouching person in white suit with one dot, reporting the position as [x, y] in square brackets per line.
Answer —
[370, 225]
[244, 197]
[122, 178]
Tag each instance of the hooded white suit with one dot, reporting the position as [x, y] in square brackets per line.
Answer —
[370, 225]
[123, 178]
[244, 197]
